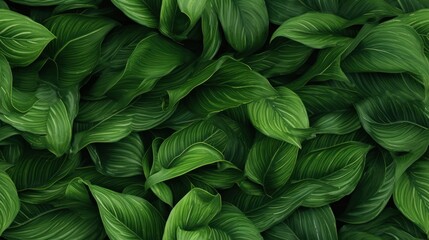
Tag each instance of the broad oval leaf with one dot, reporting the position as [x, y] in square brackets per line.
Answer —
[316, 30]
[411, 193]
[9, 201]
[340, 166]
[21, 39]
[195, 210]
[313, 223]
[283, 117]
[270, 162]
[244, 22]
[126, 216]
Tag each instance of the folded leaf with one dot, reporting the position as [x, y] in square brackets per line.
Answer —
[144, 12]
[195, 210]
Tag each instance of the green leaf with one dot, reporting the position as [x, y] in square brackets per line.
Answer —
[382, 50]
[313, 223]
[316, 30]
[119, 159]
[175, 24]
[144, 12]
[283, 117]
[21, 39]
[280, 231]
[338, 122]
[231, 86]
[193, 157]
[126, 216]
[411, 193]
[366, 203]
[212, 38]
[244, 22]
[235, 224]
[195, 210]
[399, 125]
[9, 201]
[284, 57]
[3, 5]
[58, 224]
[352, 9]
[342, 168]
[76, 50]
[270, 162]
[280, 11]
[271, 211]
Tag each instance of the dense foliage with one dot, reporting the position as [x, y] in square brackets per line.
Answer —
[214, 119]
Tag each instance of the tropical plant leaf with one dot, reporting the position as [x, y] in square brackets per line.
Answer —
[195, 210]
[313, 223]
[367, 203]
[127, 216]
[9, 201]
[121, 159]
[244, 23]
[346, 164]
[144, 12]
[411, 193]
[270, 162]
[316, 30]
[280, 231]
[22, 40]
[283, 117]
[76, 50]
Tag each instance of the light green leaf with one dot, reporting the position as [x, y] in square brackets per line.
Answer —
[144, 12]
[399, 125]
[366, 203]
[244, 22]
[58, 224]
[126, 216]
[119, 159]
[195, 210]
[9, 201]
[231, 86]
[411, 193]
[76, 50]
[342, 168]
[21, 39]
[313, 223]
[58, 129]
[316, 30]
[283, 117]
[270, 162]
[193, 157]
